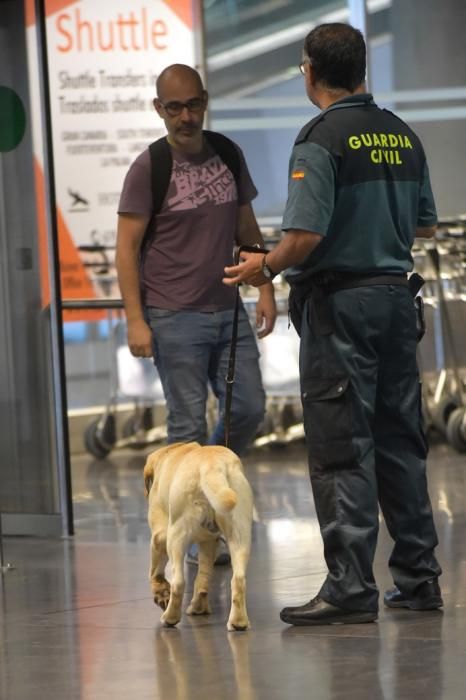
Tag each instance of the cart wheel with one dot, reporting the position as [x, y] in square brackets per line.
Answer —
[441, 412]
[456, 429]
[135, 424]
[288, 416]
[99, 439]
[139, 421]
[92, 442]
[147, 419]
[427, 419]
[266, 427]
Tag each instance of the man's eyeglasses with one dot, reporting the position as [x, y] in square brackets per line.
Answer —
[301, 65]
[174, 109]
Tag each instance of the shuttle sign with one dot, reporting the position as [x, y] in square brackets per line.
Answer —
[103, 60]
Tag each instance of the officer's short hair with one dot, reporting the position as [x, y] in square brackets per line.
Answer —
[337, 53]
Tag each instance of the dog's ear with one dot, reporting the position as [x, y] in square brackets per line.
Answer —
[148, 475]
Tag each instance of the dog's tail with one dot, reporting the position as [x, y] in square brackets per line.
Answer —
[148, 475]
[214, 480]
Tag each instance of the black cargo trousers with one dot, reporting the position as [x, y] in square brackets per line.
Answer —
[361, 397]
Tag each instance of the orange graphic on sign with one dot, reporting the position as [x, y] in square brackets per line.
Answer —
[182, 8]
[75, 281]
[51, 6]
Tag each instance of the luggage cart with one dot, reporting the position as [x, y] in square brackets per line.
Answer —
[279, 363]
[454, 237]
[442, 263]
[132, 379]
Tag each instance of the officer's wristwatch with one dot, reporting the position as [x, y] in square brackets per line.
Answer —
[266, 270]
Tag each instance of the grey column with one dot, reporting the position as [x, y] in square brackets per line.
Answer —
[29, 497]
[429, 51]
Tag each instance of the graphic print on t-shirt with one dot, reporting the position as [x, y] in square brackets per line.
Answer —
[194, 185]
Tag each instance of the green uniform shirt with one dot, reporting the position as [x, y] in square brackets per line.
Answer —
[358, 177]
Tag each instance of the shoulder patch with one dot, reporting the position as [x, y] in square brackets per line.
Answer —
[297, 175]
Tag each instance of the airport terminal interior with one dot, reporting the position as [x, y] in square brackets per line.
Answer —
[80, 414]
[78, 621]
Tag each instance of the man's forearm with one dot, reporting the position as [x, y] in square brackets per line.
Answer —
[252, 236]
[127, 264]
[248, 231]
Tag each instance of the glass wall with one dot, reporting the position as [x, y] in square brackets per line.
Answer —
[429, 77]
[256, 89]
[416, 65]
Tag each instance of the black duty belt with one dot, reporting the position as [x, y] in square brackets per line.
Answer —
[336, 283]
[327, 282]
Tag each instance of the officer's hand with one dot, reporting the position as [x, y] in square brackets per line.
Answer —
[248, 271]
[139, 338]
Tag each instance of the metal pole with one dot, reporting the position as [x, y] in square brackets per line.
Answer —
[56, 320]
[3, 567]
[358, 18]
[358, 14]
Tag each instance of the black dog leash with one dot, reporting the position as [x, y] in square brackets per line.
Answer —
[230, 378]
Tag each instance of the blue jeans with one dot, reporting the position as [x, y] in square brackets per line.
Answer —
[191, 352]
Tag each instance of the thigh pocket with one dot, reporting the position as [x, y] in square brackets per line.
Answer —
[328, 423]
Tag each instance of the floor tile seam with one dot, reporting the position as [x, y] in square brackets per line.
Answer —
[87, 607]
[311, 632]
[291, 578]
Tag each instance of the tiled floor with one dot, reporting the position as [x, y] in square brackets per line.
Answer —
[77, 618]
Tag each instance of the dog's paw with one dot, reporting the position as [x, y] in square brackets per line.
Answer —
[161, 592]
[169, 620]
[238, 625]
[199, 605]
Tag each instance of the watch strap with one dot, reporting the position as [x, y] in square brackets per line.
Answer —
[265, 266]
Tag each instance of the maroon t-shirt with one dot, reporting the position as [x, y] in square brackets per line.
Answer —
[194, 231]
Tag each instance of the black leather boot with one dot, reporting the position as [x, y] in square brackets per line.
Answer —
[319, 612]
[426, 596]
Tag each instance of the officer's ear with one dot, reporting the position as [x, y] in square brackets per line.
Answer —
[311, 76]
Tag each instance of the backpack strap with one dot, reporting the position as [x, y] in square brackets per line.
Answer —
[228, 152]
[161, 162]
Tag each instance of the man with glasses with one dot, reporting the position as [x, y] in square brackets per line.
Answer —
[177, 308]
[359, 193]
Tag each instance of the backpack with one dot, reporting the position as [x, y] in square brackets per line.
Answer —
[161, 163]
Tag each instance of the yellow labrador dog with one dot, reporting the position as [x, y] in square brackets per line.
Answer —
[195, 494]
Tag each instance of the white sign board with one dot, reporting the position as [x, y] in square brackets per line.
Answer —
[103, 59]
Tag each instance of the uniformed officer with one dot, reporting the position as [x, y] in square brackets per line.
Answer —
[359, 193]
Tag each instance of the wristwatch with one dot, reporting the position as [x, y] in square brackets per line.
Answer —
[266, 270]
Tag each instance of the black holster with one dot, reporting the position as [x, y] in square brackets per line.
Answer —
[415, 283]
[295, 309]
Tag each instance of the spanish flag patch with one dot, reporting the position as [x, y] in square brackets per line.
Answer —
[297, 175]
